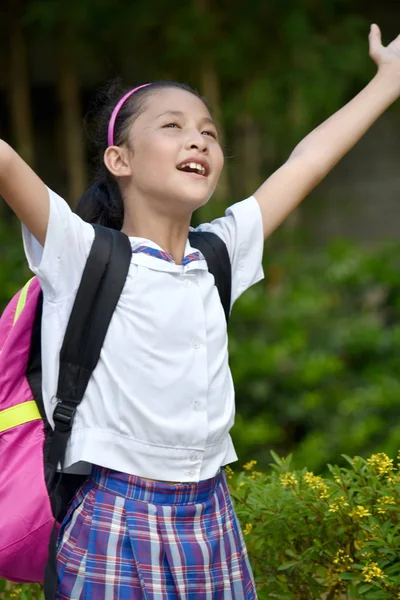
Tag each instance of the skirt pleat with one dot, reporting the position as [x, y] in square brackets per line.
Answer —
[128, 538]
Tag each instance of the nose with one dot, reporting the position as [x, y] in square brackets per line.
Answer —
[196, 141]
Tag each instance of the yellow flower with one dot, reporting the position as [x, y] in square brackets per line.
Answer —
[317, 483]
[288, 480]
[229, 472]
[371, 571]
[313, 480]
[367, 555]
[339, 503]
[250, 465]
[359, 544]
[387, 500]
[359, 512]
[323, 492]
[381, 463]
[255, 474]
[247, 528]
[384, 501]
[342, 561]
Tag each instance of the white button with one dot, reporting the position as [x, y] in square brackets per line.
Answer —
[195, 343]
[189, 473]
[187, 283]
[196, 405]
[193, 458]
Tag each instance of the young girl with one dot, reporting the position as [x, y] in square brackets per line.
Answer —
[154, 519]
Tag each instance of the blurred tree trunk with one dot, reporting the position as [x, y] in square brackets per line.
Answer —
[210, 85]
[72, 125]
[211, 89]
[21, 116]
[249, 156]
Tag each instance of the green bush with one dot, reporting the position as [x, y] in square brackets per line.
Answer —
[311, 538]
[14, 591]
[315, 356]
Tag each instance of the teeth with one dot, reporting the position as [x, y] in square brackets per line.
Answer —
[195, 167]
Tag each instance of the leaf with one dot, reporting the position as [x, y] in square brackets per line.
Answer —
[288, 565]
[363, 588]
[349, 576]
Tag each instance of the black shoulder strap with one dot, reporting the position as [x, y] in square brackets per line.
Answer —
[216, 254]
[101, 285]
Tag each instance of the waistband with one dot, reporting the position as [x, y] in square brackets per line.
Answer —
[156, 492]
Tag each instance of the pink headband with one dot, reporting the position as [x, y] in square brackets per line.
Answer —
[111, 125]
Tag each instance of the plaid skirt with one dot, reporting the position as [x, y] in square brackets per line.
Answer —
[128, 538]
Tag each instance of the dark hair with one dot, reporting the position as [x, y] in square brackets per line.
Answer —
[102, 202]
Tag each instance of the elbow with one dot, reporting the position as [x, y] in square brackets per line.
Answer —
[316, 166]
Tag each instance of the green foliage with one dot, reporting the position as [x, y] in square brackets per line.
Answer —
[13, 269]
[310, 538]
[17, 591]
[315, 355]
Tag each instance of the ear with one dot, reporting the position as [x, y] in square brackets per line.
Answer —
[116, 159]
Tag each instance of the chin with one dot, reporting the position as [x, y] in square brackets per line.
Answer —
[197, 201]
[192, 199]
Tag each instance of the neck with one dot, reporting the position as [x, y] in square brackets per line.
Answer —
[168, 230]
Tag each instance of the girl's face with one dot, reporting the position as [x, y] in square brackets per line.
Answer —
[175, 153]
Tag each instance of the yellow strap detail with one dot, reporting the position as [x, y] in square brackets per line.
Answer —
[16, 415]
[22, 300]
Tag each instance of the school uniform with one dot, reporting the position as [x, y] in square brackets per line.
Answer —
[159, 405]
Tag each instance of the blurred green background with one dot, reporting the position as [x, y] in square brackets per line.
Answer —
[315, 348]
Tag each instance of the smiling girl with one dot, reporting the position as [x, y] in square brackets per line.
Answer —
[154, 519]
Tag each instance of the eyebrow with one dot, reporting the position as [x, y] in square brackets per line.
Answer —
[178, 113]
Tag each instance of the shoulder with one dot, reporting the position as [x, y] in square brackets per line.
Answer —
[241, 230]
[242, 222]
[60, 262]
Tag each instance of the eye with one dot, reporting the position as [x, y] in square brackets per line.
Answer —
[210, 133]
[171, 125]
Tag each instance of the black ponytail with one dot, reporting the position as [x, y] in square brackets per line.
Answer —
[102, 202]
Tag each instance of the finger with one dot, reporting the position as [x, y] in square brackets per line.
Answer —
[375, 40]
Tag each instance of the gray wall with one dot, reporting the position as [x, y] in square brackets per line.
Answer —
[360, 199]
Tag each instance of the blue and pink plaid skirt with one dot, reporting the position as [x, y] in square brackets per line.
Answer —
[128, 538]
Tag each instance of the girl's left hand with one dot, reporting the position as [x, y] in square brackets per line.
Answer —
[381, 55]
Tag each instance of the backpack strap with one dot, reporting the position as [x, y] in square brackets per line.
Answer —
[216, 254]
[101, 285]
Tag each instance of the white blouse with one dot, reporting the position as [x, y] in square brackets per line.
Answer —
[160, 403]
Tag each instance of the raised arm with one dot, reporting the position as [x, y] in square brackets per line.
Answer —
[322, 149]
[24, 192]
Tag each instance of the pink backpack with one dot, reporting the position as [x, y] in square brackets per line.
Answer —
[26, 519]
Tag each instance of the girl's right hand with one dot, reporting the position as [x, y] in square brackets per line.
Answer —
[24, 192]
